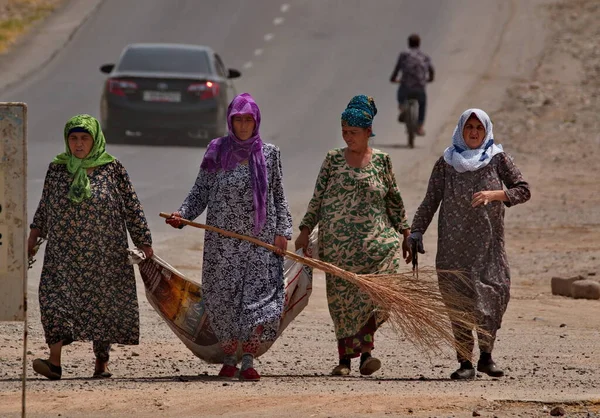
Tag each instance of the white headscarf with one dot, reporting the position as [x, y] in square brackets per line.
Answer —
[463, 158]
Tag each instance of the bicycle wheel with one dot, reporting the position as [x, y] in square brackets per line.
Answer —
[411, 122]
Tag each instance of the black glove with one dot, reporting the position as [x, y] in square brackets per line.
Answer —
[416, 239]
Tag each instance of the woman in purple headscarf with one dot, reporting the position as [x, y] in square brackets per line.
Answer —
[240, 184]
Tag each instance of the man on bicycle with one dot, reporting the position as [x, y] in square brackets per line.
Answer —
[417, 71]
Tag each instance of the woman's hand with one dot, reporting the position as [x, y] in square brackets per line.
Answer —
[148, 251]
[302, 240]
[281, 244]
[406, 251]
[175, 220]
[487, 196]
[415, 240]
[34, 234]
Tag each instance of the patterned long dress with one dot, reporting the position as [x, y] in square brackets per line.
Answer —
[242, 283]
[472, 239]
[360, 214]
[87, 288]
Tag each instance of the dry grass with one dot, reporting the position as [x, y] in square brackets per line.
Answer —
[415, 306]
[18, 16]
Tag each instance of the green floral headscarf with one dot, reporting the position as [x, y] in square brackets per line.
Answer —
[80, 187]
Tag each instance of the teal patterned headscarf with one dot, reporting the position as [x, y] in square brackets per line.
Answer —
[360, 112]
[80, 186]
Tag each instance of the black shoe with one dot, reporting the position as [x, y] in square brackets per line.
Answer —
[489, 368]
[369, 364]
[465, 372]
[45, 368]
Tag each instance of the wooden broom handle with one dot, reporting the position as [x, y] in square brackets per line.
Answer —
[319, 264]
[273, 248]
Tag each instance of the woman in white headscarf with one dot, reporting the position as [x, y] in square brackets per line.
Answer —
[473, 181]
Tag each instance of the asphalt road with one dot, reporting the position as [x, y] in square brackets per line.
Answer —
[301, 60]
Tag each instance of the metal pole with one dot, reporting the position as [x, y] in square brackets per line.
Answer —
[24, 375]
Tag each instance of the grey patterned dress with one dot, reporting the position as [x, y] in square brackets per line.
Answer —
[87, 288]
[472, 239]
[242, 283]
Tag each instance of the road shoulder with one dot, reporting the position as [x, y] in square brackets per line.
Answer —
[44, 41]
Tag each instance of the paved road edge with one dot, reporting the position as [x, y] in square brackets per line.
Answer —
[44, 42]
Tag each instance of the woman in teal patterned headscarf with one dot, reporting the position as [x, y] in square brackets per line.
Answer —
[360, 113]
[87, 288]
[361, 219]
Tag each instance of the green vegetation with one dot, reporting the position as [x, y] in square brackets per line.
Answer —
[18, 16]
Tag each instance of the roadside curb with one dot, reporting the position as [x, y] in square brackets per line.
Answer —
[44, 41]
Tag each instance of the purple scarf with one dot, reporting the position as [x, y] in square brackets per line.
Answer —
[227, 152]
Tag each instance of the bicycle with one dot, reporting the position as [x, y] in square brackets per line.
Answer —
[410, 118]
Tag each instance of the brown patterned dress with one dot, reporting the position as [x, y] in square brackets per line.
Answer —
[87, 289]
[472, 239]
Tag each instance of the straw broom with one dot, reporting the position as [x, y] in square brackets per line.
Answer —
[414, 307]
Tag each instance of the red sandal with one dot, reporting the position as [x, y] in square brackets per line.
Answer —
[249, 375]
[228, 371]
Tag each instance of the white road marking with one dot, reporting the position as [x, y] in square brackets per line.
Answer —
[285, 7]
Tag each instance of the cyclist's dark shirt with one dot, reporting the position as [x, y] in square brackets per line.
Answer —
[416, 69]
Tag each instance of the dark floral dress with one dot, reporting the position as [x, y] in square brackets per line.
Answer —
[242, 283]
[87, 288]
[472, 239]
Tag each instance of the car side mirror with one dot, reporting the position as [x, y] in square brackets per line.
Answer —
[107, 68]
[233, 73]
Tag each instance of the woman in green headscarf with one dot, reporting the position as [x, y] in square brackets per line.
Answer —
[87, 288]
[362, 229]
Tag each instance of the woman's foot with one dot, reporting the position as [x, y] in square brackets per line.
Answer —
[101, 370]
[486, 365]
[249, 375]
[465, 372]
[228, 371]
[45, 368]
[369, 364]
[342, 369]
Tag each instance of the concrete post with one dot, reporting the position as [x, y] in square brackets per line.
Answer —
[13, 211]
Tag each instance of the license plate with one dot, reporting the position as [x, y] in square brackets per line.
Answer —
[162, 96]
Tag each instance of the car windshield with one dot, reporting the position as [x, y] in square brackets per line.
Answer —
[167, 60]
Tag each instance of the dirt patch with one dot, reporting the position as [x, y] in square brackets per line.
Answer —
[548, 344]
[18, 16]
[551, 126]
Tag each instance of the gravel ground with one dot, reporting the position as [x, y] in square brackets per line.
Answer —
[548, 344]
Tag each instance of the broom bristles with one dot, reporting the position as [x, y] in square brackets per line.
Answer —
[414, 307]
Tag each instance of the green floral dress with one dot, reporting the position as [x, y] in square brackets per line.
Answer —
[360, 214]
